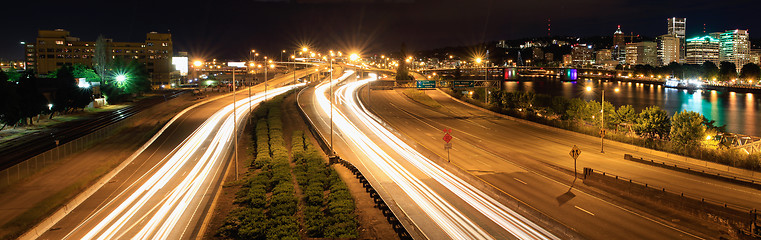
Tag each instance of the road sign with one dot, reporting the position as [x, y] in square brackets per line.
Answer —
[447, 137]
[426, 84]
[575, 152]
[463, 84]
[447, 146]
[602, 133]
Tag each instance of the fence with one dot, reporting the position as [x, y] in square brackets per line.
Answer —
[34, 164]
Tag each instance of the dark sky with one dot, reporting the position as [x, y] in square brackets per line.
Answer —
[229, 29]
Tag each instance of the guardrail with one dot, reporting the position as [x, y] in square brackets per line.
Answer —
[752, 183]
[380, 203]
[589, 171]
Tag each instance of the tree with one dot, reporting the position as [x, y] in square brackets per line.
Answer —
[624, 115]
[710, 71]
[135, 80]
[727, 71]
[402, 73]
[9, 108]
[101, 58]
[82, 71]
[750, 71]
[687, 128]
[31, 101]
[68, 94]
[653, 122]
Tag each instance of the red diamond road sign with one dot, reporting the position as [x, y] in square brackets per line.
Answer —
[447, 137]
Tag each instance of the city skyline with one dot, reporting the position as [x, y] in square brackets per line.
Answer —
[355, 24]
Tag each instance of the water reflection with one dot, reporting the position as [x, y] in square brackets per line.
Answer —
[736, 110]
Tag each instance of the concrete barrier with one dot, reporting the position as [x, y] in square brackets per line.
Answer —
[702, 208]
[742, 181]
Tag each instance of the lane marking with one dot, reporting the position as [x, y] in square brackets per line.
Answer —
[584, 210]
[520, 181]
[653, 220]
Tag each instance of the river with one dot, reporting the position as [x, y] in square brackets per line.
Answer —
[738, 111]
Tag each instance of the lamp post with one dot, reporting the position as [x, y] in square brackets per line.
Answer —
[602, 116]
[331, 108]
[265, 77]
[235, 129]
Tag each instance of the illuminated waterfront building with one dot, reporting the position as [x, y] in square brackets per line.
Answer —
[735, 47]
[678, 27]
[669, 47]
[642, 53]
[702, 49]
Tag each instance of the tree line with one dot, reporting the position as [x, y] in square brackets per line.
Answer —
[25, 96]
[687, 127]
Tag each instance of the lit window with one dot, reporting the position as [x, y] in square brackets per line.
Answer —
[59, 42]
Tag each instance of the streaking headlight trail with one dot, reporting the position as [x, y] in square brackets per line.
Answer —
[169, 197]
[449, 218]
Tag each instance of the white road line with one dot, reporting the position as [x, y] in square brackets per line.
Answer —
[584, 210]
[520, 181]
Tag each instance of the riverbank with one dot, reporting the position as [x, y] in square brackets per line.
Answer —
[531, 112]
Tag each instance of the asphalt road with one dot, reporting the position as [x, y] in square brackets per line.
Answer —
[512, 157]
[165, 191]
[432, 202]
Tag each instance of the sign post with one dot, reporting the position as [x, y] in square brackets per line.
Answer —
[575, 152]
[447, 144]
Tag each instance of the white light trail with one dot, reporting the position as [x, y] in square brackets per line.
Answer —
[506, 218]
[451, 221]
[157, 206]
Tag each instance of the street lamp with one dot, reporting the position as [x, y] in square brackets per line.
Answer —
[331, 106]
[121, 78]
[602, 116]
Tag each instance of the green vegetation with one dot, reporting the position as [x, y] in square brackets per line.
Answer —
[267, 202]
[329, 207]
[687, 133]
[22, 99]
[420, 96]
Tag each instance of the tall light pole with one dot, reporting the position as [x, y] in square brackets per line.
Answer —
[602, 116]
[331, 107]
[266, 65]
[235, 129]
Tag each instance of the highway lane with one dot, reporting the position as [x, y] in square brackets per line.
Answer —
[165, 190]
[437, 203]
[512, 138]
[507, 157]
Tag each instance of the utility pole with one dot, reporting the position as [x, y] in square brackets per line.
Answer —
[602, 120]
[266, 65]
[486, 83]
[331, 107]
[235, 129]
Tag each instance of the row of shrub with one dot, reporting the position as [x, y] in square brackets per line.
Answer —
[266, 202]
[328, 204]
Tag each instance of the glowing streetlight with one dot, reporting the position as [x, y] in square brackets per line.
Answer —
[197, 63]
[121, 78]
[478, 60]
[589, 89]
[353, 57]
[304, 49]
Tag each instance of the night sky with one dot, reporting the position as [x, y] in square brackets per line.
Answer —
[229, 29]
